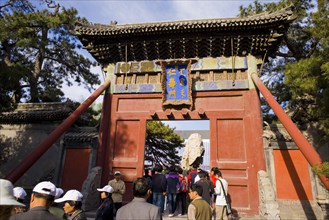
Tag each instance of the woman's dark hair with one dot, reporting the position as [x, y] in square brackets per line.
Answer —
[213, 169]
[179, 170]
[75, 204]
[141, 187]
[217, 172]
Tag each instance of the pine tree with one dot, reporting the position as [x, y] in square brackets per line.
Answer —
[298, 74]
[39, 53]
[161, 144]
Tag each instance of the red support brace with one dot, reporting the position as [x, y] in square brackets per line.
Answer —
[19, 170]
[304, 146]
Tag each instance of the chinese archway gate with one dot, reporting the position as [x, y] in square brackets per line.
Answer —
[185, 70]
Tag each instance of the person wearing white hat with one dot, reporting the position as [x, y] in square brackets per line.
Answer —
[7, 200]
[42, 197]
[72, 205]
[106, 209]
[54, 208]
[19, 194]
[59, 193]
[119, 190]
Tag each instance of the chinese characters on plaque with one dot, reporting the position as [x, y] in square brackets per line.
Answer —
[176, 83]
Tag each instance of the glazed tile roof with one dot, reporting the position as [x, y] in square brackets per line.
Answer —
[33, 117]
[82, 135]
[254, 35]
[27, 113]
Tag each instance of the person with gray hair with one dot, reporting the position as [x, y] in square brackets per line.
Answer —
[7, 200]
[42, 197]
[139, 208]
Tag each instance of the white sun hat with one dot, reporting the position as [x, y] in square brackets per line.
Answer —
[71, 195]
[59, 192]
[45, 187]
[19, 192]
[106, 188]
[7, 194]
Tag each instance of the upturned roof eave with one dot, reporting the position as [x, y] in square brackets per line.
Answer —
[258, 20]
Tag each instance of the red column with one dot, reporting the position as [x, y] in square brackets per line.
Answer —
[19, 170]
[305, 147]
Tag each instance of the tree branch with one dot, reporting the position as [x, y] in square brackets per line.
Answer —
[9, 3]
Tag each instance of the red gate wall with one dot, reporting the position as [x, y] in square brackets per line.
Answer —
[292, 175]
[235, 138]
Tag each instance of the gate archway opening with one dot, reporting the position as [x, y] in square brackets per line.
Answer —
[182, 128]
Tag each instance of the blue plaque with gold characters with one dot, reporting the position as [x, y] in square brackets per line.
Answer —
[176, 84]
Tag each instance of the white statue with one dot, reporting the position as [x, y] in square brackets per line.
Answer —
[193, 151]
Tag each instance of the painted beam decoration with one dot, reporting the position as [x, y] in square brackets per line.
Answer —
[176, 83]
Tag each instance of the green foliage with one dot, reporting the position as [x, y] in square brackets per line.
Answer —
[321, 169]
[298, 74]
[161, 144]
[90, 117]
[39, 53]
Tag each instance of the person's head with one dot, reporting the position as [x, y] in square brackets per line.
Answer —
[72, 201]
[7, 200]
[106, 191]
[19, 194]
[172, 168]
[117, 175]
[218, 174]
[141, 188]
[195, 191]
[43, 194]
[180, 170]
[158, 168]
[59, 193]
[195, 166]
[213, 169]
[202, 174]
[146, 172]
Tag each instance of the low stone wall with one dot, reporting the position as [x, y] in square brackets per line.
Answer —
[18, 141]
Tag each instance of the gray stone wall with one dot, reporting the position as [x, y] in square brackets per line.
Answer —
[18, 141]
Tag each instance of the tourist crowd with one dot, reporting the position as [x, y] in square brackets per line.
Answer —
[197, 194]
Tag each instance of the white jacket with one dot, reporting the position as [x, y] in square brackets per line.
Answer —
[220, 198]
